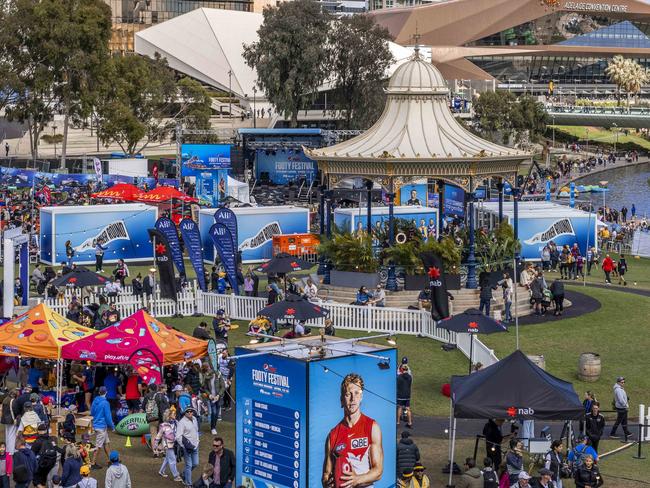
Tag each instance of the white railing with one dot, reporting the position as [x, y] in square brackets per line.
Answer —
[355, 317]
[127, 303]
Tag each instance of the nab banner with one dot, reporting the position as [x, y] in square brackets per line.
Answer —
[192, 240]
[163, 259]
[437, 284]
[168, 228]
[223, 241]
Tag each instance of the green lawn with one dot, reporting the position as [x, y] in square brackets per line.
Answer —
[637, 276]
[618, 331]
[599, 135]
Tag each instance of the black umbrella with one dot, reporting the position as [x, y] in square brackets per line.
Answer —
[80, 277]
[472, 321]
[294, 307]
[284, 263]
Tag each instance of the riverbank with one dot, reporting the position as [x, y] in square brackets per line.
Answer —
[620, 163]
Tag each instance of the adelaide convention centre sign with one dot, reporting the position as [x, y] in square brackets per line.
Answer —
[595, 7]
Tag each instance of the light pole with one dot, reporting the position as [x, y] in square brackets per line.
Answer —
[230, 97]
[254, 107]
[587, 139]
[54, 138]
[553, 118]
[616, 141]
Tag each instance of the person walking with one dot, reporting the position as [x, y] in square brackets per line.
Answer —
[69, 253]
[622, 269]
[187, 435]
[86, 480]
[594, 425]
[515, 460]
[214, 386]
[407, 453]
[8, 419]
[24, 465]
[420, 479]
[223, 461]
[508, 292]
[557, 290]
[117, 475]
[608, 267]
[100, 411]
[6, 466]
[485, 296]
[622, 406]
[404, 384]
[71, 467]
[164, 443]
[99, 257]
[592, 258]
[493, 439]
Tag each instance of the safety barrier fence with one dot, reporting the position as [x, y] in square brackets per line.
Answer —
[355, 317]
[192, 300]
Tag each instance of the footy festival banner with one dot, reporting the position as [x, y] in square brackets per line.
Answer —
[167, 227]
[192, 239]
[437, 283]
[224, 243]
[163, 258]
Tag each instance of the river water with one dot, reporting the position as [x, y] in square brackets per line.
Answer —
[627, 186]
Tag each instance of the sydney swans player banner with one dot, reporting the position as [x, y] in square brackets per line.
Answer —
[271, 420]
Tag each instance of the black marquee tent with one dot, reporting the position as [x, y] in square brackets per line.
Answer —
[514, 387]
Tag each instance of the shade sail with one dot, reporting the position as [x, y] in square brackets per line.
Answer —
[140, 331]
[514, 387]
[163, 194]
[120, 191]
[39, 333]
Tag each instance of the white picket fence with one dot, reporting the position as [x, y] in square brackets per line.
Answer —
[354, 317]
[127, 303]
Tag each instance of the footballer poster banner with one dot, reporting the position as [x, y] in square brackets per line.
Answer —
[192, 240]
[168, 228]
[272, 422]
[352, 426]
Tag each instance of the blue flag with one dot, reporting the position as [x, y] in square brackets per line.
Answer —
[168, 229]
[228, 218]
[572, 195]
[224, 243]
[548, 190]
[192, 240]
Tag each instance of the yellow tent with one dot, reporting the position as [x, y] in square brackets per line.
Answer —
[39, 333]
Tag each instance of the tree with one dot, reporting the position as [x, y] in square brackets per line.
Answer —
[617, 72]
[359, 58]
[141, 102]
[529, 115]
[501, 114]
[54, 51]
[290, 57]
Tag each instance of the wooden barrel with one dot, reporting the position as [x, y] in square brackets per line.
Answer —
[589, 367]
[538, 360]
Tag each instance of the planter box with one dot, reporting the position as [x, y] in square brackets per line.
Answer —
[353, 279]
[418, 282]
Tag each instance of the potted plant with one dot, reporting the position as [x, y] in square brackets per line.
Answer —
[353, 261]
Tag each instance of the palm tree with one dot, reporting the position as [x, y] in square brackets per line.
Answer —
[637, 76]
[617, 71]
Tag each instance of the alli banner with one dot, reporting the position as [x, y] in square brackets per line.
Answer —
[228, 218]
[167, 227]
[192, 239]
[223, 241]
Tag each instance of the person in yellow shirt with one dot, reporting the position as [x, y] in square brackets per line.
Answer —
[420, 480]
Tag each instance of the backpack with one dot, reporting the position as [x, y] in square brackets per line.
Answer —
[151, 409]
[47, 456]
[578, 457]
[490, 479]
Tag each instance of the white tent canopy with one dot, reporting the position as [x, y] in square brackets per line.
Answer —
[207, 44]
[238, 189]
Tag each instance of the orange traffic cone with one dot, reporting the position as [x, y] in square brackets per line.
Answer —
[128, 442]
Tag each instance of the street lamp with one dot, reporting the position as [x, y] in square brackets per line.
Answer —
[616, 141]
[54, 137]
[254, 107]
[553, 118]
[230, 97]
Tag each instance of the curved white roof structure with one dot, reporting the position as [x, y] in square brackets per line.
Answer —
[206, 44]
[417, 125]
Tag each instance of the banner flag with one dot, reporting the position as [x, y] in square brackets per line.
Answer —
[98, 168]
[163, 258]
[548, 191]
[438, 285]
[223, 241]
[227, 217]
[167, 227]
[192, 239]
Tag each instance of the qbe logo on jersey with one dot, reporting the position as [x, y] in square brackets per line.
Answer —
[360, 443]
